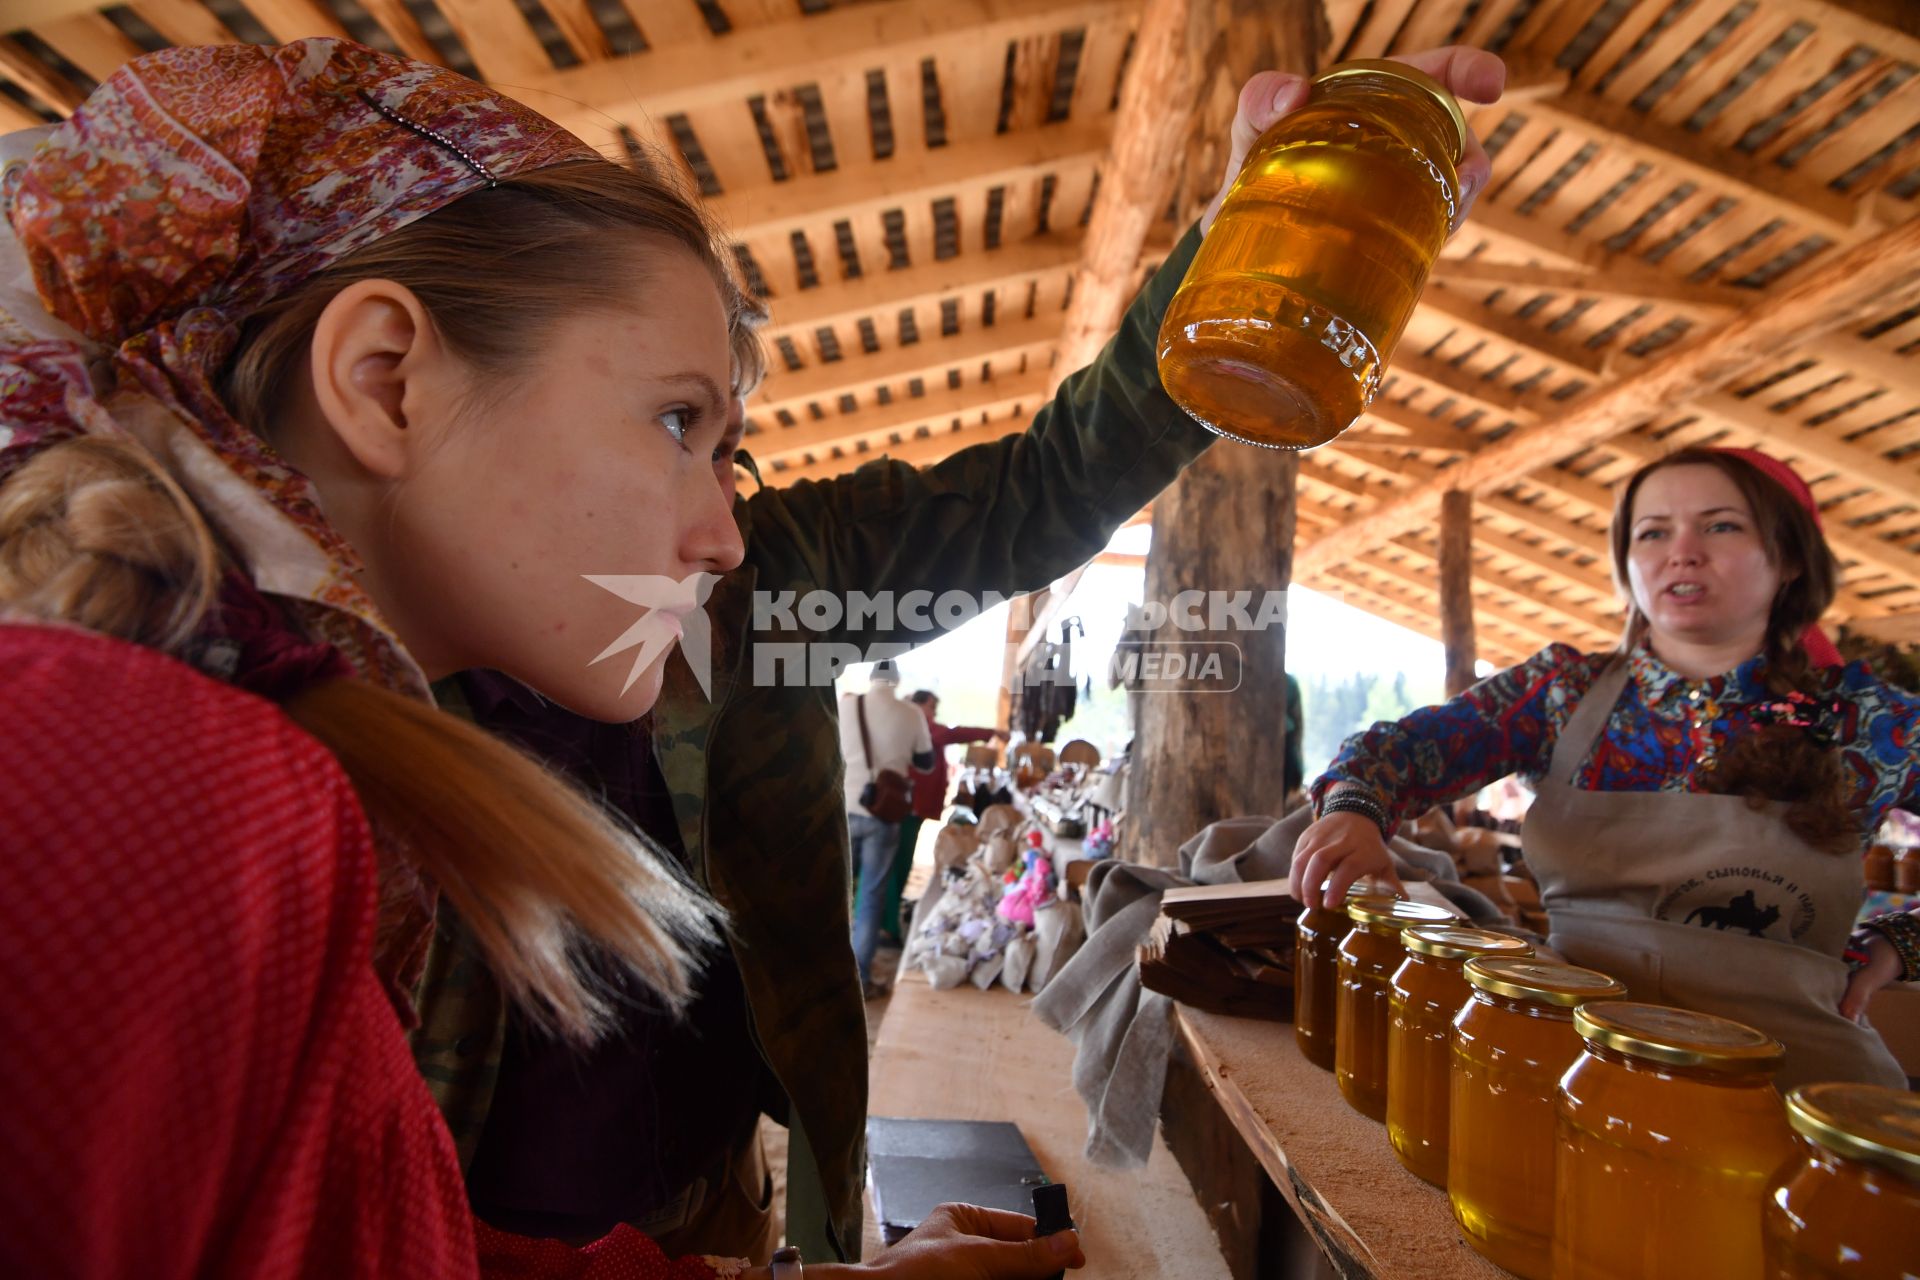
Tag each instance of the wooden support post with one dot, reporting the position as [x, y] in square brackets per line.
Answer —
[1456, 589]
[1226, 526]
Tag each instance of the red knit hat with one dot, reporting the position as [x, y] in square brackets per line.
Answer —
[1820, 650]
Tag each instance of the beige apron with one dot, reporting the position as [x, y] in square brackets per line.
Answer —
[1702, 901]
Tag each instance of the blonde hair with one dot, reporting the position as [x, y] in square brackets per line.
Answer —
[93, 533]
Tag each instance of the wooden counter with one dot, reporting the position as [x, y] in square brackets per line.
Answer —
[967, 1054]
[1331, 1164]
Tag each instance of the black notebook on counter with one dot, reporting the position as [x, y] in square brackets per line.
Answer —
[914, 1165]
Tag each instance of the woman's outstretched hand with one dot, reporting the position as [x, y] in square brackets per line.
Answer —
[1336, 851]
[1472, 75]
[1881, 968]
[966, 1242]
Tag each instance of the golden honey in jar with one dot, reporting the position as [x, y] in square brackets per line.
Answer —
[1512, 1041]
[1428, 991]
[1280, 332]
[1668, 1130]
[1847, 1205]
[1316, 953]
[1369, 954]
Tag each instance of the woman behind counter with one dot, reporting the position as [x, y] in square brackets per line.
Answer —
[1704, 794]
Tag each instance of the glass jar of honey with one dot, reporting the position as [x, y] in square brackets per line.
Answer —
[1428, 991]
[1512, 1041]
[1284, 323]
[1369, 954]
[1668, 1130]
[1847, 1206]
[1316, 953]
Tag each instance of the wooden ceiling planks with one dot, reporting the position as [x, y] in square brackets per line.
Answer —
[909, 177]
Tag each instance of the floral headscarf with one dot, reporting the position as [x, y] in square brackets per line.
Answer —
[194, 186]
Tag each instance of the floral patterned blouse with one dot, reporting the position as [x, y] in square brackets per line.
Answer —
[1661, 735]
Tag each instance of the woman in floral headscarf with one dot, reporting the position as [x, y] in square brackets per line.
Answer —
[322, 372]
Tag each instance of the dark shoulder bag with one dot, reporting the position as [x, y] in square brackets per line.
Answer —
[889, 797]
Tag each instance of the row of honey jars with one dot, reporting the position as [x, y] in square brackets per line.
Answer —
[1316, 954]
[1667, 1132]
[1428, 991]
[1369, 955]
[1847, 1205]
[1316, 959]
[1512, 1041]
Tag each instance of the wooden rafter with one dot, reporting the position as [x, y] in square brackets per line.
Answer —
[873, 426]
[1823, 300]
[765, 59]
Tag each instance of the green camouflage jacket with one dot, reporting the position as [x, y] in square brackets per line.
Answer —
[755, 770]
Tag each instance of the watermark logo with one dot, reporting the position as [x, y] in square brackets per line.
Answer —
[675, 611]
[812, 638]
[1177, 666]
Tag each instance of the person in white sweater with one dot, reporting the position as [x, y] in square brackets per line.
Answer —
[895, 736]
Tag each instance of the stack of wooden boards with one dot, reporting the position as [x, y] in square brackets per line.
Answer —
[1225, 948]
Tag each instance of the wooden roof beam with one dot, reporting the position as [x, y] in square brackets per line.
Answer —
[922, 452]
[1492, 578]
[1779, 191]
[1636, 284]
[882, 293]
[183, 22]
[916, 174]
[860, 375]
[90, 42]
[1158, 99]
[1427, 593]
[1886, 25]
[901, 417]
[1459, 308]
[1862, 465]
[1828, 297]
[678, 77]
[290, 20]
[36, 78]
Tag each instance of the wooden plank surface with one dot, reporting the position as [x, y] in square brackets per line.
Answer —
[967, 1054]
[1331, 1163]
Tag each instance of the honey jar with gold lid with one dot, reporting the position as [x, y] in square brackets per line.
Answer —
[1668, 1130]
[1369, 953]
[1512, 1041]
[1316, 955]
[1428, 990]
[1283, 326]
[1847, 1205]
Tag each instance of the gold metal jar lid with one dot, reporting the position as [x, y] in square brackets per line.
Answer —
[1677, 1037]
[1458, 942]
[1861, 1122]
[1541, 981]
[1414, 76]
[1394, 913]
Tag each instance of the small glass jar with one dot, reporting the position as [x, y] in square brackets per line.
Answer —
[1428, 991]
[1512, 1041]
[1847, 1206]
[1285, 321]
[1668, 1129]
[1369, 954]
[1316, 953]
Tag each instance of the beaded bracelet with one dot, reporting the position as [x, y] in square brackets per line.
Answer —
[1902, 930]
[1360, 802]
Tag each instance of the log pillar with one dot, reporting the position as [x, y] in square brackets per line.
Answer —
[1456, 589]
